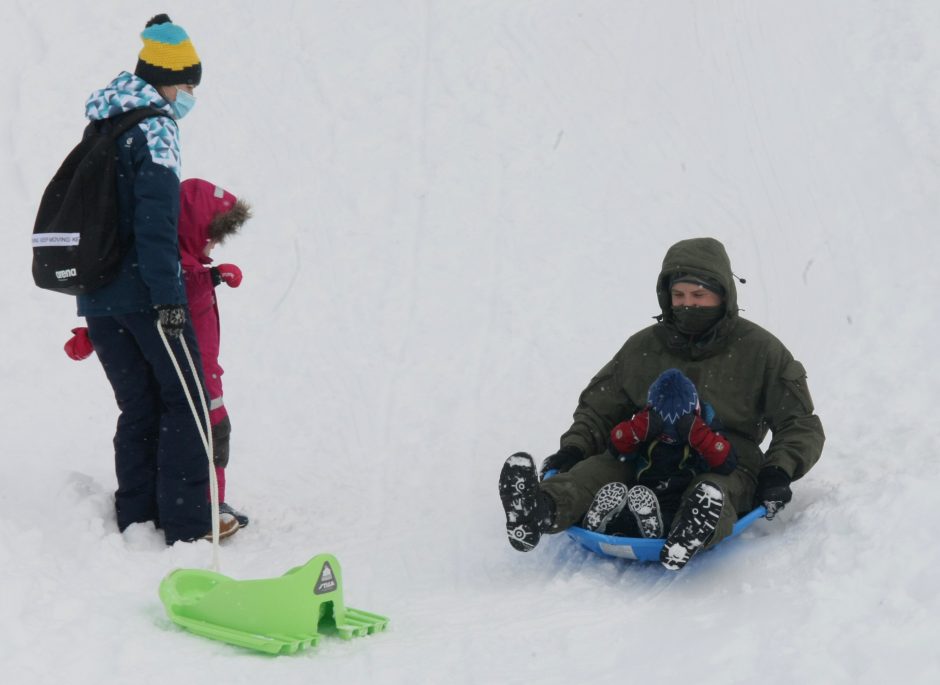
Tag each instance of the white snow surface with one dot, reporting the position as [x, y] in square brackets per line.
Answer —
[460, 211]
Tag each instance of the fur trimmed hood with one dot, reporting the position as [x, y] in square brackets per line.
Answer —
[207, 213]
[228, 223]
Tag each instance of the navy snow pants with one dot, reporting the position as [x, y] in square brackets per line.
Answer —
[160, 461]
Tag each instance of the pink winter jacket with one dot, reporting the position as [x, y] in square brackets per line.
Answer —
[200, 203]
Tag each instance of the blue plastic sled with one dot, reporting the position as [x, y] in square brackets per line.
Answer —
[642, 549]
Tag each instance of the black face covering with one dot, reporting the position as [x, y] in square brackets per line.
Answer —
[696, 320]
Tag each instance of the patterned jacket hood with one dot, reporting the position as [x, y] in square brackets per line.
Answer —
[125, 93]
[129, 92]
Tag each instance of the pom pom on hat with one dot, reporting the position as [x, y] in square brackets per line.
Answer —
[672, 396]
[158, 19]
[168, 57]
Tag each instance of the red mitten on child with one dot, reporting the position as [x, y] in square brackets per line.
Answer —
[79, 345]
[713, 446]
[627, 435]
[230, 274]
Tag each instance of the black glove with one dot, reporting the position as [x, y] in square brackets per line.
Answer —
[773, 490]
[216, 276]
[172, 318]
[562, 460]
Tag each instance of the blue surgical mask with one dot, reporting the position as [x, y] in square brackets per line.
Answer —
[183, 103]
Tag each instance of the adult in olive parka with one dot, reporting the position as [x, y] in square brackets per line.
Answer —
[742, 370]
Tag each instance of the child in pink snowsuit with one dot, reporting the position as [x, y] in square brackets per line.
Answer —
[208, 215]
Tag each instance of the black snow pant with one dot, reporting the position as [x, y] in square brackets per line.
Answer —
[160, 460]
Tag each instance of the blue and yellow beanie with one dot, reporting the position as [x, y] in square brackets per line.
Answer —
[168, 57]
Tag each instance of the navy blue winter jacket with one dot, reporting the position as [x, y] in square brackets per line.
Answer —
[148, 203]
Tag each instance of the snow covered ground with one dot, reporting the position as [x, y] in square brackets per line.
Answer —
[460, 211]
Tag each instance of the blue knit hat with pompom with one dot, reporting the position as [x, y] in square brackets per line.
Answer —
[672, 396]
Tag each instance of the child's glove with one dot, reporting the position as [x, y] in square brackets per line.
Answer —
[229, 273]
[714, 447]
[627, 435]
[79, 345]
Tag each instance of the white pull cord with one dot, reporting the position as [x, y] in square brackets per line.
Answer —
[206, 438]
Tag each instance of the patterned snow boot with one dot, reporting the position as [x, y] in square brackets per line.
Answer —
[694, 526]
[644, 505]
[607, 505]
[528, 511]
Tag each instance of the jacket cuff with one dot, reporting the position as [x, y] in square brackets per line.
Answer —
[574, 450]
[777, 470]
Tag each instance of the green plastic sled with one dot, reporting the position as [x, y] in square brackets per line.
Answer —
[275, 615]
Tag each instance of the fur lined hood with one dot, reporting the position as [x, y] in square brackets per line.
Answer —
[207, 213]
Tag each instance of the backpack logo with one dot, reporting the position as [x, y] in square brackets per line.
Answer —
[62, 274]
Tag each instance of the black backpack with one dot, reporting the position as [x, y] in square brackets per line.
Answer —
[76, 243]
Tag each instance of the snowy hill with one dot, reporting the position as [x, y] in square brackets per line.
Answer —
[460, 212]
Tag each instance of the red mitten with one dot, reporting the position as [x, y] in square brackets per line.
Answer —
[230, 274]
[713, 446]
[79, 345]
[626, 436]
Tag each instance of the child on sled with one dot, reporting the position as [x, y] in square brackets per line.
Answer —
[666, 445]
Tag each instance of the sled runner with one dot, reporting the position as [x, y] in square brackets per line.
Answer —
[274, 615]
[642, 549]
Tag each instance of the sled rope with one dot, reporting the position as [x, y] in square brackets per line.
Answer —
[206, 436]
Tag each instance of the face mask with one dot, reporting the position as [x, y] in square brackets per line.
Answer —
[183, 103]
[696, 320]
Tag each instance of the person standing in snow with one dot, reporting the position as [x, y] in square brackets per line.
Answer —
[742, 370]
[208, 215]
[160, 461]
[665, 446]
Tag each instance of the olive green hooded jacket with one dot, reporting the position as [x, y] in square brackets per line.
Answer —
[742, 370]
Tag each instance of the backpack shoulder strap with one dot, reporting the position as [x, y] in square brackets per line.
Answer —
[125, 121]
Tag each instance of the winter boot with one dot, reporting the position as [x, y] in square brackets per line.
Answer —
[644, 505]
[694, 526]
[607, 505]
[242, 519]
[529, 511]
[228, 526]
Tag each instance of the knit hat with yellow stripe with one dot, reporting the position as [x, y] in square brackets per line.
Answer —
[168, 57]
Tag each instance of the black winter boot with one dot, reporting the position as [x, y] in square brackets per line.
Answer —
[529, 511]
[693, 527]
